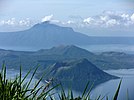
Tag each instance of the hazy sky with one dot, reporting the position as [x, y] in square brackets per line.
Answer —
[62, 9]
[80, 14]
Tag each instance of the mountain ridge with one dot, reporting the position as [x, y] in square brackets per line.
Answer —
[43, 35]
[78, 73]
[66, 53]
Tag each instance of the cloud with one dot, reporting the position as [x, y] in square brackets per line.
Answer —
[70, 22]
[132, 18]
[47, 18]
[15, 22]
[8, 22]
[110, 19]
[112, 22]
[25, 22]
[107, 19]
[55, 21]
[125, 16]
[88, 20]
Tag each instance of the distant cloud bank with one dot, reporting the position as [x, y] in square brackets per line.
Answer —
[106, 19]
[111, 19]
[15, 22]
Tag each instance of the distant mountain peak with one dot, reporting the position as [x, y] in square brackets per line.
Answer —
[78, 72]
[85, 63]
[72, 46]
[84, 60]
[65, 47]
[43, 24]
[48, 25]
[44, 35]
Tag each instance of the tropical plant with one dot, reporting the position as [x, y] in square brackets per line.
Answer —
[19, 89]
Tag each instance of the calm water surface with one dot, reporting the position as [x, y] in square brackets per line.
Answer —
[109, 87]
[110, 47]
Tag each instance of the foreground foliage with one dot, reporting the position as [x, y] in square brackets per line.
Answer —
[19, 89]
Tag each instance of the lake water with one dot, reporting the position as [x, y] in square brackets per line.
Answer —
[110, 47]
[107, 88]
[12, 74]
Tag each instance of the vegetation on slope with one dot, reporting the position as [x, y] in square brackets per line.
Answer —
[77, 73]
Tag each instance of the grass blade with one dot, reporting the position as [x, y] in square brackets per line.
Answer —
[117, 91]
